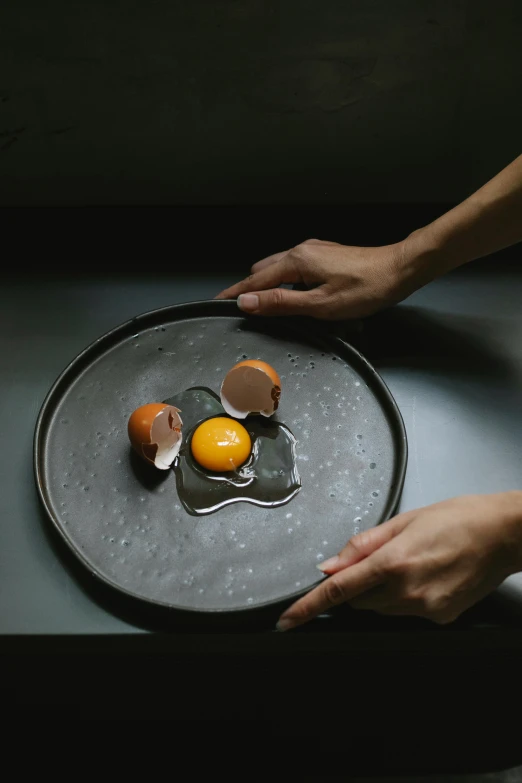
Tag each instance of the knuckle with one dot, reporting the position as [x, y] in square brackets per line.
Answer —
[356, 543]
[398, 565]
[333, 591]
[360, 544]
[414, 594]
[304, 251]
[362, 541]
[275, 297]
[439, 610]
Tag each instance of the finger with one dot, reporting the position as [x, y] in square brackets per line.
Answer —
[259, 265]
[281, 301]
[364, 544]
[282, 271]
[339, 588]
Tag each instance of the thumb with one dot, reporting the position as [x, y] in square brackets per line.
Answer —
[366, 543]
[281, 301]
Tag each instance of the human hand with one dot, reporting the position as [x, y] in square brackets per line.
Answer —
[434, 562]
[348, 282]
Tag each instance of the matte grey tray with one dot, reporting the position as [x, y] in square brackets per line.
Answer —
[126, 523]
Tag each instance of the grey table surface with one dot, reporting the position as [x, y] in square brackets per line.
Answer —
[451, 355]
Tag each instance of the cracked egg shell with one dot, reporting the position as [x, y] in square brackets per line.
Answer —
[251, 386]
[155, 433]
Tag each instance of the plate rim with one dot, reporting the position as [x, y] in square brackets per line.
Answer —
[229, 307]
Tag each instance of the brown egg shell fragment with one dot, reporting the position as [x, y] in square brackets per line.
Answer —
[249, 390]
[164, 440]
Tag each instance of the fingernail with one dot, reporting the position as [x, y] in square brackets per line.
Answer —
[248, 302]
[327, 565]
[284, 624]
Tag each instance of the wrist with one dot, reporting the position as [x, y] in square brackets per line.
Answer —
[419, 260]
[439, 247]
[511, 504]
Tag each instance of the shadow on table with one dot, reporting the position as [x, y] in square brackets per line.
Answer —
[423, 339]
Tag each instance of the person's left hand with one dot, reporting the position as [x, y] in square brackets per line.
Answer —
[434, 562]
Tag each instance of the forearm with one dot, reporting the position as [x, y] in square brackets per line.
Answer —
[486, 222]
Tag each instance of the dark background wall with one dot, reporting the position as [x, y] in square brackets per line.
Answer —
[256, 101]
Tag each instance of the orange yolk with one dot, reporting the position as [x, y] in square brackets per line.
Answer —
[221, 444]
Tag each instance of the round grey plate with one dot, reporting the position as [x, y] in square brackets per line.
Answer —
[125, 522]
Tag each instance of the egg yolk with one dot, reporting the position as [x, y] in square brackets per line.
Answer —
[221, 444]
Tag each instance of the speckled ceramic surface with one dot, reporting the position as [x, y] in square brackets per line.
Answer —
[126, 522]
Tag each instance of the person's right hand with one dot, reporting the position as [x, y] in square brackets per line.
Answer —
[434, 562]
[345, 282]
